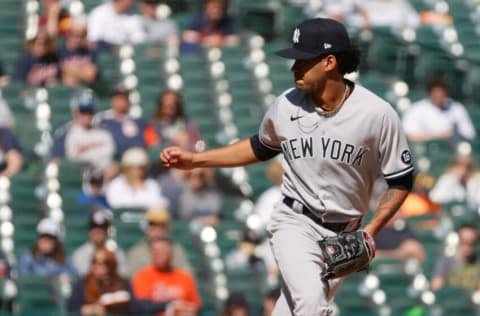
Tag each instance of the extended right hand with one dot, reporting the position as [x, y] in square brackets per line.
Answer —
[177, 157]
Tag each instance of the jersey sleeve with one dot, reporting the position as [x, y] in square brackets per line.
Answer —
[268, 131]
[266, 144]
[395, 155]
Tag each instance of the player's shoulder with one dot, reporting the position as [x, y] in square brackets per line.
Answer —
[289, 97]
[372, 101]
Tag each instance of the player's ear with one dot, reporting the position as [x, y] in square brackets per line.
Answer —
[330, 63]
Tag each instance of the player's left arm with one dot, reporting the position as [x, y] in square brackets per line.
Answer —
[386, 209]
[397, 168]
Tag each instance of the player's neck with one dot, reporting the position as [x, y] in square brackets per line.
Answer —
[332, 97]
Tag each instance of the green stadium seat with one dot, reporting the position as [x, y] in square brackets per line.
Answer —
[38, 296]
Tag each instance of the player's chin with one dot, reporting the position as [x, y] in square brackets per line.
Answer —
[300, 85]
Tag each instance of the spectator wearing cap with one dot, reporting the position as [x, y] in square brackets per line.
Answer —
[79, 140]
[131, 188]
[113, 23]
[77, 60]
[157, 30]
[236, 305]
[93, 193]
[214, 27]
[161, 282]
[47, 257]
[98, 225]
[126, 131]
[158, 226]
[11, 158]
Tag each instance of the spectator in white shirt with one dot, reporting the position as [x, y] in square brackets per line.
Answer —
[267, 200]
[460, 183]
[79, 141]
[350, 12]
[113, 23]
[162, 31]
[438, 117]
[132, 189]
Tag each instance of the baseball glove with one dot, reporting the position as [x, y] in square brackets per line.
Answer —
[347, 253]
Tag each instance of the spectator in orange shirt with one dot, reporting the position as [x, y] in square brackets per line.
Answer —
[159, 282]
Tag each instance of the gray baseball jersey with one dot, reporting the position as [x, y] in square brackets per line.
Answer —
[331, 162]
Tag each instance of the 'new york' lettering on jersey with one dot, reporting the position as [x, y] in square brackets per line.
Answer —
[323, 148]
[339, 153]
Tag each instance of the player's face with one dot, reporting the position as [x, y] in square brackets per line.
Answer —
[309, 74]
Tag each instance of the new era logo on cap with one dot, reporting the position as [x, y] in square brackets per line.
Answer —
[296, 36]
[315, 37]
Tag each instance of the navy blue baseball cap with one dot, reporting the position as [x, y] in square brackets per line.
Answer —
[316, 37]
[84, 102]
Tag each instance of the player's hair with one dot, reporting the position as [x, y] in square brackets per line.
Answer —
[348, 60]
[437, 82]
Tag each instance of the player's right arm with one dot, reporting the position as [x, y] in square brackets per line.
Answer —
[237, 154]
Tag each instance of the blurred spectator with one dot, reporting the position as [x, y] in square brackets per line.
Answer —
[77, 60]
[462, 270]
[246, 254]
[392, 13]
[78, 140]
[160, 282]
[170, 125]
[255, 252]
[5, 267]
[397, 241]
[349, 12]
[102, 290]
[459, 183]
[6, 117]
[200, 200]
[138, 256]
[437, 117]
[39, 64]
[418, 202]
[235, 305]
[11, 159]
[267, 200]
[126, 131]
[269, 301]
[212, 28]
[92, 194]
[55, 19]
[47, 257]
[172, 185]
[162, 31]
[4, 78]
[98, 225]
[114, 23]
[132, 188]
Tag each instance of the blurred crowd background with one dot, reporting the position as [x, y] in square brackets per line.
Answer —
[91, 91]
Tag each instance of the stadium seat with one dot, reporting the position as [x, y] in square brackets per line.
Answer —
[38, 296]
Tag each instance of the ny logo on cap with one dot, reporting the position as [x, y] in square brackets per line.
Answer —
[296, 36]
[327, 45]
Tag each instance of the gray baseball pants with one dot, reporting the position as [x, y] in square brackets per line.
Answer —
[294, 241]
